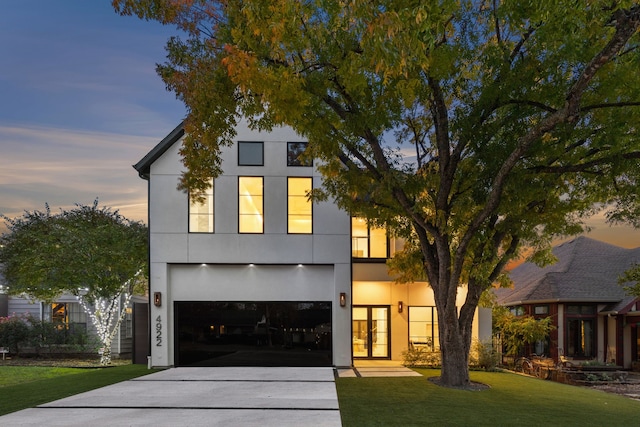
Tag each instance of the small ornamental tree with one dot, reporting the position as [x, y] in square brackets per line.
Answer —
[518, 331]
[469, 128]
[93, 253]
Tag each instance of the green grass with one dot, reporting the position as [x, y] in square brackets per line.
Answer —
[27, 387]
[10, 375]
[512, 400]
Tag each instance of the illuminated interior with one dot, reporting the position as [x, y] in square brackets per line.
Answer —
[299, 215]
[367, 242]
[251, 204]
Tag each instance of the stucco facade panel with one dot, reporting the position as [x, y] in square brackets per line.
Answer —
[168, 247]
[258, 282]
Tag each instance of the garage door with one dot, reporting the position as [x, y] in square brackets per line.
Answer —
[250, 333]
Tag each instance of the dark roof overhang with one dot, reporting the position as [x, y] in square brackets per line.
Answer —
[144, 165]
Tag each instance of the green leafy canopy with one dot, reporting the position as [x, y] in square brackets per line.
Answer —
[88, 250]
[470, 127]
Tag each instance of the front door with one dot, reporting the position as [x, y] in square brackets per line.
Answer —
[371, 332]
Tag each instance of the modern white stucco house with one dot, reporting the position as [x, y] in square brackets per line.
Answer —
[257, 275]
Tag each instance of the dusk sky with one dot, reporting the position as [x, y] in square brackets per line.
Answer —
[81, 103]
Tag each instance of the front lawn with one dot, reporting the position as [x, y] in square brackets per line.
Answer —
[512, 400]
[26, 387]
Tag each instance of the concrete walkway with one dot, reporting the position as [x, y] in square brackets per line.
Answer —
[377, 368]
[199, 397]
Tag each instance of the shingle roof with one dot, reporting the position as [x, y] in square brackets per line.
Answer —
[587, 270]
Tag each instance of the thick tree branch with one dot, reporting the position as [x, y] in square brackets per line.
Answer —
[627, 23]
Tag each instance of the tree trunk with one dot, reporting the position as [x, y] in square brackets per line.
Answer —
[454, 348]
[105, 358]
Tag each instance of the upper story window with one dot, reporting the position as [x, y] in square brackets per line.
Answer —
[250, 153]
[299, 207]
[201, 213]
[367, 242]
[250, 204]
[294, 151]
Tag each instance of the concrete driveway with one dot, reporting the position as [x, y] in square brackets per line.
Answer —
[242, 396]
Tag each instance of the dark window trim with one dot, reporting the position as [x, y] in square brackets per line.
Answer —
[288, 232]
[298, 164]
[238, 195]
[251, 142]
[434, 312]
[369, 259]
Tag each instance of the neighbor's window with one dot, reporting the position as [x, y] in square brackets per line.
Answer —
[299, 207]
[541, 309]
[517, 310]
[423, 328]
[66, 315]
[250, 153]
[201, 213]
[367, 242]
[580, 331]
[128, 323]
[294, 151]
[250, 204]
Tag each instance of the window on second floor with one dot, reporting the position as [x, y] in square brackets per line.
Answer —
[299, 207]
[294, 151]
[250, 204]
[201, 213]
[367, 242]
[250, 153]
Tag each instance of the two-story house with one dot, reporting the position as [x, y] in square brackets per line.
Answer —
[256, 274]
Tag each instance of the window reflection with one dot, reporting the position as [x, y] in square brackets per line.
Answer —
[201, 214]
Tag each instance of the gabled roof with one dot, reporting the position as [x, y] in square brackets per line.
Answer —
[587, 270]
[144, 165]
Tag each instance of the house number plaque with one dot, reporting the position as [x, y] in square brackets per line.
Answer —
[158, 331]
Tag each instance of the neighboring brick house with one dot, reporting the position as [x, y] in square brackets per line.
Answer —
[594, 318]
[258, 275]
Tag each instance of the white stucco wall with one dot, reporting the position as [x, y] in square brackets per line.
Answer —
[176, 255]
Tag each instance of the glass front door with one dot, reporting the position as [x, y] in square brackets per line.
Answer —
[371, 332]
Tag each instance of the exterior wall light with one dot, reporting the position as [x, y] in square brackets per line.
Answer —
[343, 299]
[157, 299]
[400, 306]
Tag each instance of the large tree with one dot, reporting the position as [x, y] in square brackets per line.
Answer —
[470, 128]
[93, 253]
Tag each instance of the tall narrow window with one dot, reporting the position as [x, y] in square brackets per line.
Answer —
[299, 207]
[250, 153]
[250, 204]
[367, 242]
[201, 213]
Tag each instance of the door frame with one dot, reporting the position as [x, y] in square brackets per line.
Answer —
[369, 355]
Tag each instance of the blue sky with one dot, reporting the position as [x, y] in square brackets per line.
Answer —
[81, 103]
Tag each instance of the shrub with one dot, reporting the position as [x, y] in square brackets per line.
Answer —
[484, 355]
[14, 332]
[421, 357]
